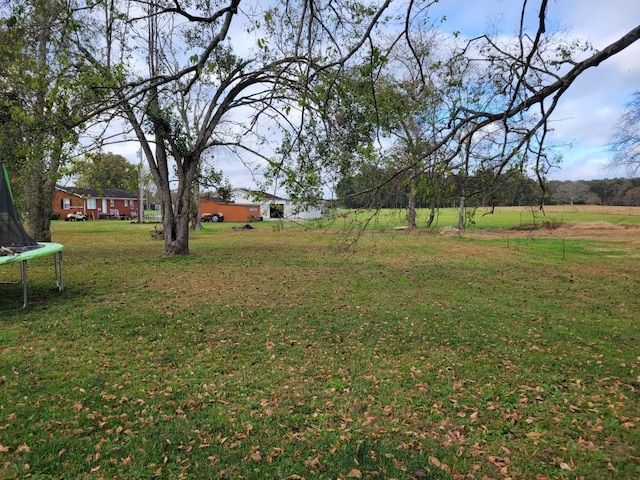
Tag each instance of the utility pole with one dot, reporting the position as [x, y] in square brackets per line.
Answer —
[140, 189]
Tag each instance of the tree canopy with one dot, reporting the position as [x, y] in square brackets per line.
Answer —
[625, 143]
[106, 170]
[49, 95]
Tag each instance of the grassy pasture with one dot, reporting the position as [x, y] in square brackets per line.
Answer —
[278, 353]
[502, 217]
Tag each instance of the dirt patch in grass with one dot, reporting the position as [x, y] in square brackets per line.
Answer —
[616, 232]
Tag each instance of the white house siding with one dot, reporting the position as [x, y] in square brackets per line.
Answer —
[309, 213]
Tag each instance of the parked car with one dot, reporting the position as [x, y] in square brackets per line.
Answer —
[212, 217]
[76, 217]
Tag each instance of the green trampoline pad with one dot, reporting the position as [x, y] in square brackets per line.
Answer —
[43, 251]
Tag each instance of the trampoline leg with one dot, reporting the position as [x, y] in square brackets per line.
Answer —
[57, 263]
[23, 277]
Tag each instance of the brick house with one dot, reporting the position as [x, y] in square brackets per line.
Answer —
[96, 204]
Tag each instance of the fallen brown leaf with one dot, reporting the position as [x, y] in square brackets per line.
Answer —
[313, 462]
[255, 456]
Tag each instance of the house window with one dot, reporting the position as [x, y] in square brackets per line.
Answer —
[126, 202]
[66, 204]
[112, 202]
[91, 203]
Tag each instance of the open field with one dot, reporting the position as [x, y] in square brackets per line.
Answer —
[279, 353]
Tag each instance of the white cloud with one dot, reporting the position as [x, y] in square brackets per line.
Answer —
[588, 115]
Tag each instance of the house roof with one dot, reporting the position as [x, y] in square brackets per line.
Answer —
[94, 193]
[259, 194]
[212, 196]
[221, 201]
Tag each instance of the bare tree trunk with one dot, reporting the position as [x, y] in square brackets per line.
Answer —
[175, 220]
[463, 181]
[177, 211]
[39, 191]
[195, 208]
[43, 160]
[177, 241]
[411, 199]
[461, 212]
[432, 213]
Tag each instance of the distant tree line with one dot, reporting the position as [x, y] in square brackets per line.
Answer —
[371, 188]
[616, 191]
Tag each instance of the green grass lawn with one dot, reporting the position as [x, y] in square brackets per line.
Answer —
[502, 217]
[277, 353]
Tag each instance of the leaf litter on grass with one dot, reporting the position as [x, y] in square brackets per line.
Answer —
[413, 356]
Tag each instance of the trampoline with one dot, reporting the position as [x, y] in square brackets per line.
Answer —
[16, 246]
[45, 249]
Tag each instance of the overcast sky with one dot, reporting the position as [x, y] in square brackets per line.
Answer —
[586, 116]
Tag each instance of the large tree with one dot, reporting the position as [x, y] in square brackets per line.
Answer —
[625, 143]
[185, 47]
[48, 96]
[106, 170]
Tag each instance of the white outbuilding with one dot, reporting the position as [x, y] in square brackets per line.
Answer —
[273, 207]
